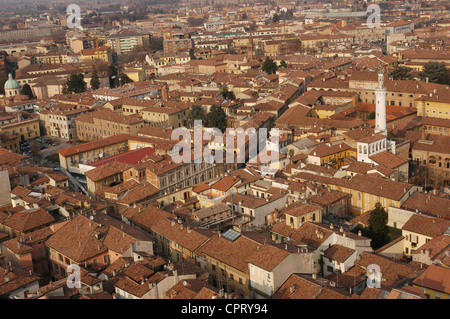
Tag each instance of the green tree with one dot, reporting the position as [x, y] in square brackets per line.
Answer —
[95, 82]
[196, 113]
[378, 226]
[275, 18]
[229, 95]
[217, 117]
[113, 73]
[283, 64]
[435, 72]
[269, 66]
[26, 90]
[74, 84]
[401, 73]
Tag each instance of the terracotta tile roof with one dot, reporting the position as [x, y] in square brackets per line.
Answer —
[393, 273]
[433, 143]
[339, 253]
[322, 150]
[149, 216]
[154, 131]
[349, 279]
[435, 278]
[82, 238]
[364, 183]
[425, 225]
[39, 181]
[11, 281]
[85, 147]
[117, 266]
[389, 160]
[298, 208]
[301, 287]
[428, 204]
[253, 201]
[310, 234]
[212, 210]
[326, 197]
[138, 193]
[406, 292]
[207, 293]
[268, 257]
[139, 288]
[372, 293]
[20, 191]
[233, 253]
[188, 289]
[17, 247]
[29, 220]
[437, 248]
[106, 170]
[225, 183]
[58, 177]
[184, 236]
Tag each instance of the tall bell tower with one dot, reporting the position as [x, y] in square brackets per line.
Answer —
[380, 112]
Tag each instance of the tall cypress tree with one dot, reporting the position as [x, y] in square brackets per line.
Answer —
[95, 82]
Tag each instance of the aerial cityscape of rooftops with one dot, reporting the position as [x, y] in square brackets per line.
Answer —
[236, 150]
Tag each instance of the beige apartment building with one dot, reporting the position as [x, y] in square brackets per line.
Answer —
[24, 125]
[173, 114]
[104, 123]
[59, 120]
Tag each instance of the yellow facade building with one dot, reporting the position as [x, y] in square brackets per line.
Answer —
[102, 53]
[434, 105]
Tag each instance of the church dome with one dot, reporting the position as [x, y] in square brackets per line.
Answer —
[11, 84]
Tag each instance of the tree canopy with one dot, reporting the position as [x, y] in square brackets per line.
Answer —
[435, 72]
[229, 95]
[26, 90]
[401, 73]
[269, 66]
[196, 113]
[217, 118]
[74, 84]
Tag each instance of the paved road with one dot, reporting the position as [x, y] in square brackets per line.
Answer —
[52, 149]
[60, 144]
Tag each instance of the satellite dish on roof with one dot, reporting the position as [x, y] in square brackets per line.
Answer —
[91, 218]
